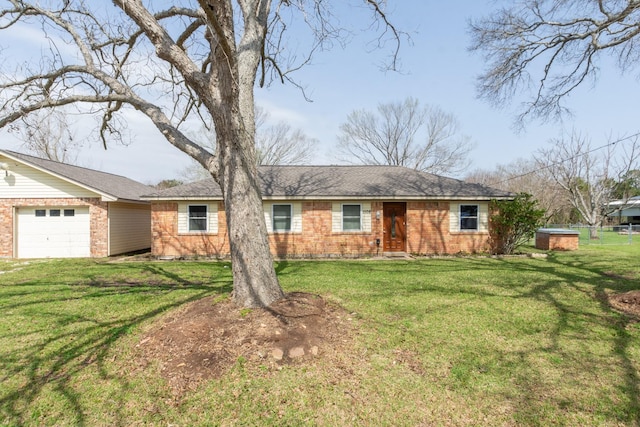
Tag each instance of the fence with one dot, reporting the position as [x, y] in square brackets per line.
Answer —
[605, 235]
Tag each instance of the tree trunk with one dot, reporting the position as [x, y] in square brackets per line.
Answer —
[229, 99]
[255, 283]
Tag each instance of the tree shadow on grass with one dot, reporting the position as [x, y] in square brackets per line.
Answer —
[563, 340]
[69, 329]
[566, 272]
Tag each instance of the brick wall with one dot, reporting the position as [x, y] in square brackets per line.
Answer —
[99, 228]
[98, 212]
[427, 228]
[317, 239]
[6, 229]
[428, 232]
[559, 242]
[166, 241]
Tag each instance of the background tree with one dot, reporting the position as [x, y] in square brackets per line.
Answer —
[168, 183]
[553, 46]
[513, 222]
[628, 186]
[280, 144]
[405, 134]
[193, 60]
[529, 176]
[48, 134]
[589, 175]
[276, 144]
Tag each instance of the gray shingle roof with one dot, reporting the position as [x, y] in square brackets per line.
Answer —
[112, 185]
[343, 182]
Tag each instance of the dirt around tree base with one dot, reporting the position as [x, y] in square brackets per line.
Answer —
[628, 302]
[204, 339]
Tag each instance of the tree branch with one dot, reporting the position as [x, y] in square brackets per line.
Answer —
[557, 40]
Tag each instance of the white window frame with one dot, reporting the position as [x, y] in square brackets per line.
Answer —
[205, 218]
[342, 217]
[273, 218]
[183, 216]
[461, 218]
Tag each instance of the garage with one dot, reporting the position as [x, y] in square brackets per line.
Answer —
[53, 232]
[50, 209]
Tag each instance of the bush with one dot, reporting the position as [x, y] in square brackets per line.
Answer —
[513, 222]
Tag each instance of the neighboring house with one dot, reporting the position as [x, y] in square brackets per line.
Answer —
[318, 211]
[51, 209]
[626, 211]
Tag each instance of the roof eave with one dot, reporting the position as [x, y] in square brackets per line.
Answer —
[180, 198]
[105, 197]
[389, 197]
[133, 201]
[336, 197]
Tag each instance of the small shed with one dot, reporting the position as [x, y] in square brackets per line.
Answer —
[557, 239]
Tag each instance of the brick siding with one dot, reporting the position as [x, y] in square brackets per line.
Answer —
[428, 232]
[558, 242]
[427, 229]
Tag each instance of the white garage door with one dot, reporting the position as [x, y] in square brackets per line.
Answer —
[53, 232]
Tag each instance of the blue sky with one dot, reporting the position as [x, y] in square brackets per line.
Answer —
[437, 69]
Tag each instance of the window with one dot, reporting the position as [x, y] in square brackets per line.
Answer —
[41, 212]
[69, 212]
[54, 212]
[469, 217]
[351, 218]
[197, 217]
[281, 217]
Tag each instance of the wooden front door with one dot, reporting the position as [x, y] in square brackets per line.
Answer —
[394, 237]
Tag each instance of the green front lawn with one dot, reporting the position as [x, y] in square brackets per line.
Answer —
[448, 341]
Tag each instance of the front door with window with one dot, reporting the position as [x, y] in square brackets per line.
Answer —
[394, 236]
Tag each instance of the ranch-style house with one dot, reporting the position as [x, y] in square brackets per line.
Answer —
[332, 211]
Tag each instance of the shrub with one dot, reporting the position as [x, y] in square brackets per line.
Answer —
[513, 222]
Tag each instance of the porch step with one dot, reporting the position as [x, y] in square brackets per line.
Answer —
[396, 255]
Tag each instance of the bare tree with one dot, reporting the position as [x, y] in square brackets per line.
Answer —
[48, 134]
[276, 144]
[590, 175]
[530, 177]
[280, 144]
[405, 134]
[196, 59]
[553, 46]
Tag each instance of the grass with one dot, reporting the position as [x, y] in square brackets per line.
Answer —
[607, 236]
[449, 341]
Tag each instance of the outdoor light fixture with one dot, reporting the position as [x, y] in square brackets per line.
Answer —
[5, 167]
